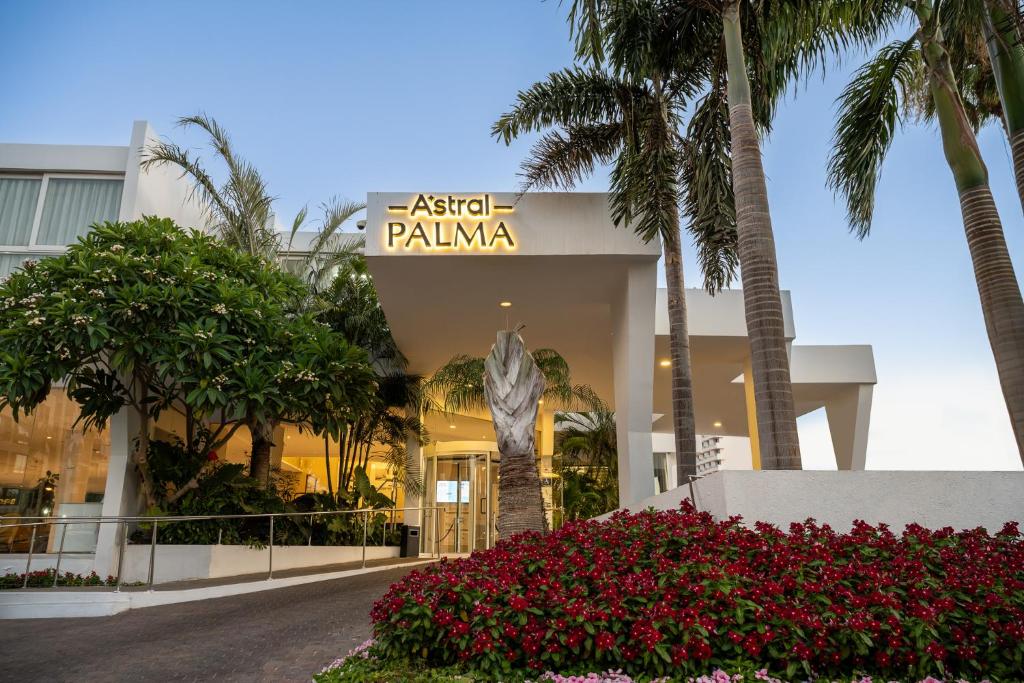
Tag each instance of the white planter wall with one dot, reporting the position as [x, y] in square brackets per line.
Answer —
[188, 562]
[962, 500]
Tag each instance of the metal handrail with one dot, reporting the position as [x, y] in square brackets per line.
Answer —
[125, 520]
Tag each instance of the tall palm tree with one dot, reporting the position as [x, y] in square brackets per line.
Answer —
[240, 212]
[983, 39]
[630, 118]
[509, 383]
[870, 108]
[722, 144]
[778, 440]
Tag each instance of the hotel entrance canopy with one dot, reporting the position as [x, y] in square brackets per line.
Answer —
[445, 263]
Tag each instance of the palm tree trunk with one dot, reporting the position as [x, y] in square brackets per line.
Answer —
[512, 386]
[1001, 302]
[1006, 55]
[773, 392]
[682, 372]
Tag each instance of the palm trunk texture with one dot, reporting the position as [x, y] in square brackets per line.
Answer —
[512, 386]
[1006, 55]
[1001, 302]
[682, 372]
[773, 392]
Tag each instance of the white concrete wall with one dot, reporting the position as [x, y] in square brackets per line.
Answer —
[159, 191]
[931, 499]
[187, 562]
[718, 315]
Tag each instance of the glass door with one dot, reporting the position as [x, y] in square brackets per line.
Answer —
[464, 489]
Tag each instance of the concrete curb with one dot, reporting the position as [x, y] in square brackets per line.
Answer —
[54, 604]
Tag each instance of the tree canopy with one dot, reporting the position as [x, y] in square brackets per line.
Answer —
[147, 316]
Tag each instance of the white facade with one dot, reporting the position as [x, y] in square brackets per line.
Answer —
[49, 195]
[589, 290]
[444, 265]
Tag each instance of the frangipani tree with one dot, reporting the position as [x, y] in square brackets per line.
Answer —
[509, 383]
[149, 317]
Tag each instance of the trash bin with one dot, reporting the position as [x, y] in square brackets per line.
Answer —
[410, 545]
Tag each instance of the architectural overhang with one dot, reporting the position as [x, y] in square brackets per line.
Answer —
[562, 273]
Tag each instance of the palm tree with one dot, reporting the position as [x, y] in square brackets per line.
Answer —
[509, 382]
[706, 38]
[630, 120]
[870, 107]
[983, 41]
[587, 463]
[349, 305]
[240, 212]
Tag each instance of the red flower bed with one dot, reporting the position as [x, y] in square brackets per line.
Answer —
[678, 593]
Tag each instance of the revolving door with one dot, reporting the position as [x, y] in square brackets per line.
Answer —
[464, 488]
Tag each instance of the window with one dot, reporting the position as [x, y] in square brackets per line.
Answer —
[71, 205]
[42, 214]
[18, 200]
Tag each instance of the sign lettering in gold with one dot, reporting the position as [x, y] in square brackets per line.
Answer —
[450, 223]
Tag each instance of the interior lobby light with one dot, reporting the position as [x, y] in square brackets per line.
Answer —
[716, 423]
[665, 362]
[505, 304]
[451, 426]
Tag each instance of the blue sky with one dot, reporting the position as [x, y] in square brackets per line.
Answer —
[338, 98]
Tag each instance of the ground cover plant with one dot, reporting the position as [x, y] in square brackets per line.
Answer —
[43, 578]
[678, 594]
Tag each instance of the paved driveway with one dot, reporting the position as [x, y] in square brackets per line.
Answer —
[277, 635]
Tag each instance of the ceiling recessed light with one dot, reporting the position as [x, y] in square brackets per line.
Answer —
[451, 426]
[505, 304]
[541, 401]
[716, 423]
[665, 362]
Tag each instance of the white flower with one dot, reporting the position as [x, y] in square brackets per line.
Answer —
[37, 321]
[220, 309]
[116, 248]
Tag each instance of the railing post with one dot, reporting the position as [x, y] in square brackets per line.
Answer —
[60, 552]
[28, 561]
[310, 542]
[120, 555]
[270, 561]
[152, 554]
[366, 519]
[437, 533]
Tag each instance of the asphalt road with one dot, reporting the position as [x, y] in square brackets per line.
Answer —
[277, 635]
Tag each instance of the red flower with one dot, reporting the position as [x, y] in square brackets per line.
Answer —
[211, 456]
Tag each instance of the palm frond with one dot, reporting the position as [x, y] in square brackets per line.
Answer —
[567, 98]
[560, 160]
[870, 107]
[708, 201]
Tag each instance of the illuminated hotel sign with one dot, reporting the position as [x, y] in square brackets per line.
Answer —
[449, 223]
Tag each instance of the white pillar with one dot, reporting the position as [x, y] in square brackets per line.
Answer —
[848, 418]
[121, 494]
[633, 373]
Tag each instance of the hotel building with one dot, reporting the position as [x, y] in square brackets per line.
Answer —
[444, 263]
